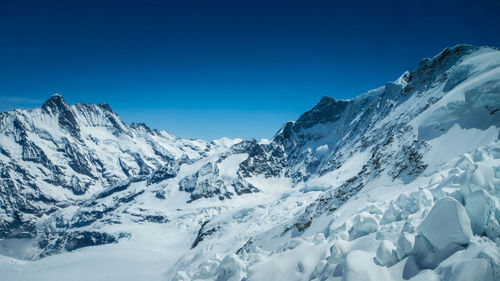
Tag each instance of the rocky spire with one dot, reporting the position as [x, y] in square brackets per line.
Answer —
[56, 106]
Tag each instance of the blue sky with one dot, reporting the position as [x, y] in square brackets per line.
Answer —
[207, 69]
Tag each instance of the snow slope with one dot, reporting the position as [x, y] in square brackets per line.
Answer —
[400, 183]
[60, 157]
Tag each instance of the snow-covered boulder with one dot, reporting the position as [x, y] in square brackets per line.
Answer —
[318, 269]
[446, 223]
[230, 269]
[404, 245]
[359, 266]
[181, 276]
[474, 269]
[319, 238]
[478, 205]
[391, 214]
[465, 163]
[207, 270]
[425, 256]
[386, 253]
[325, 269]
[373, 209]
[495, 153]
[363, 224]
[422, 198]
[481, 175]
[409, 227]
[493, 228]
[444, 231]
[292, 244]
[337, 251]
[407, 204]
[426, 275]
[339, 233]
[492, 254]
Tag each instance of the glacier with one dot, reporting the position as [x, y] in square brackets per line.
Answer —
[399, 183]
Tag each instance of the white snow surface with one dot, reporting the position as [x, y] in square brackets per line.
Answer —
[446, 223]
[443, 224]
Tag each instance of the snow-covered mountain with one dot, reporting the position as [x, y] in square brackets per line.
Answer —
[61, 156]
[401, 182]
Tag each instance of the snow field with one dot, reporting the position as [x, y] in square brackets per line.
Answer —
[445, 230]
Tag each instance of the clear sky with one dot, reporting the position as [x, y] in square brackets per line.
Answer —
[208, 69]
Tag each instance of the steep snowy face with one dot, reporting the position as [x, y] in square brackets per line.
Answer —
[54, 156]
[407, 178]
[431, 115]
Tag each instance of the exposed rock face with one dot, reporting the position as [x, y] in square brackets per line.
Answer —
[167, 171]
[56, 106]
[60, 155]
[205, 183]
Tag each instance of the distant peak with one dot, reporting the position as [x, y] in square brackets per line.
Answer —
[462, 48]
[56, 98]
[429, 69]
[327, 110]
[326, 99]
[448, 56]
[455, 51]
[105, 106]
[54, 104]
[140, 126]
[403, 79]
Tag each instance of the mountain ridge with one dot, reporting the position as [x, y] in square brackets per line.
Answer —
[75, 176]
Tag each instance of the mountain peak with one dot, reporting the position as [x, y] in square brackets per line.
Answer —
[403, 79]
[326, 110]
[429, 69]
[460, 49]
[325, 99]
[105, 106]
[56, 98]
[448, 57]
[140, 127]
[54, 104]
